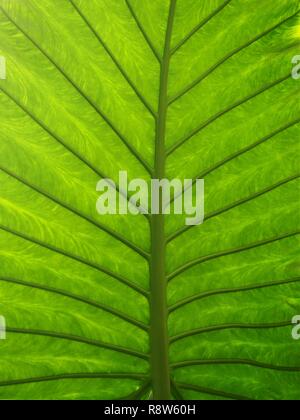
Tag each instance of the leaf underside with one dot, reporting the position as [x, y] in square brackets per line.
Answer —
[100, 86]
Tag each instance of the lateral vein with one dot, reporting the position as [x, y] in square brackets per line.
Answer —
[210, 391]
[227, 57]
[143, 32]
[213, 328]
[71, 376]
[98, 225]
[239, 153]
[248, 362]
[62, 142]
[236, 204]
[134, 152]
[114, 59]
[78, 298]
[199, 26]
[78, 259]
[217, 292]
[205, 258]
[227, 110]
[74, 338]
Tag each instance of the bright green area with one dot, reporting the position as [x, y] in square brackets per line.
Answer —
[81, 102]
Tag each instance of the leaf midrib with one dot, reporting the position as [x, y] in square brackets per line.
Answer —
[159, 340]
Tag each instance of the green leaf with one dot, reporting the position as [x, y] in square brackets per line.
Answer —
[138, 307]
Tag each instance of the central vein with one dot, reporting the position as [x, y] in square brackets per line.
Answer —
[159, 339]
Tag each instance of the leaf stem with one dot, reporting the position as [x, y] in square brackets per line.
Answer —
[158, 280]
